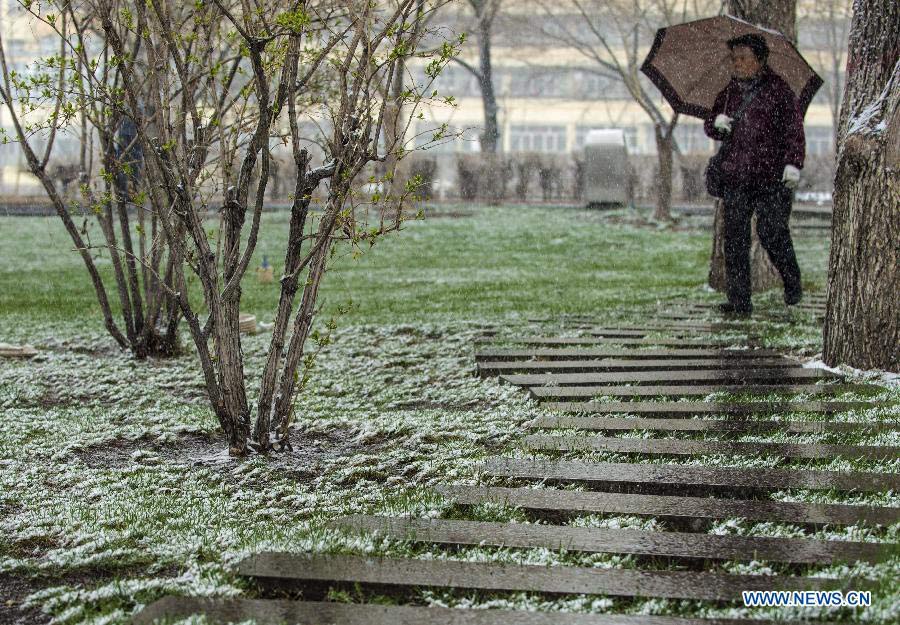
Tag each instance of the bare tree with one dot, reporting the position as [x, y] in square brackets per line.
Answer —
[210, 87]
[779, 15]
[396, 120]
[613, 37]
[862, 320]
[485, 11]
[55, 98]
[828, 24]
[394, 123]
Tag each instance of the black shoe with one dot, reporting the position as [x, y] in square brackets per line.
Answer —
[733, 310]
[793, 296]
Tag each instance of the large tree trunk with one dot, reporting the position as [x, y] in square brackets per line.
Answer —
[782, 16]
[862, 321]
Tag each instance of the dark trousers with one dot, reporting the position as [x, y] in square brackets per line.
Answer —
[772, 204]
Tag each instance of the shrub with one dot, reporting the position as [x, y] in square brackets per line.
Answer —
[425, 167]
[483, 176]
[467, 174]
[525, 165]
[550, 176]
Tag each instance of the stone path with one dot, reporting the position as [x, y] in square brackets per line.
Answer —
[652, 372]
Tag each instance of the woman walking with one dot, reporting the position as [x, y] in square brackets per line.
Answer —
[758, 119]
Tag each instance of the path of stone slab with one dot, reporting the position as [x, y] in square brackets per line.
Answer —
[601, 390]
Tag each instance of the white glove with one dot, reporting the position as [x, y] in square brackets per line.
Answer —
[723, 122]
[790, 177]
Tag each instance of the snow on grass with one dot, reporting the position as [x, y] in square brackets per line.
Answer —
[115, 488]
[118, 472]
[116, 466]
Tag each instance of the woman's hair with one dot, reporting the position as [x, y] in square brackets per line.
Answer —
[757, 43]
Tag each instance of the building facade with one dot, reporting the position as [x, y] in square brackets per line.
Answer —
[550, 95]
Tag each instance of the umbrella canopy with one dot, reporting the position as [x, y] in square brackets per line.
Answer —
[690, 63]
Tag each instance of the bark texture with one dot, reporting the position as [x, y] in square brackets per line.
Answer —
[490, 138]
[862, 323]
[780, 15]
[665, 145]
[485, 11]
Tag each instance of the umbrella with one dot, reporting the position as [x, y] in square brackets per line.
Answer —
[689, 63]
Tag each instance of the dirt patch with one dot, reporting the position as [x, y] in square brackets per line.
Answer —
[13, 590]
[95, 351]
[191, 394]
[302, 461]
[123, 452]
[101, 348]
[34, 546]
[52, 398]
[470, 406]
[451, 214]
[16, 587]
[60, 396]
[418, 332]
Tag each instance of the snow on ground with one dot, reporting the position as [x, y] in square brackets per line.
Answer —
[116, 490]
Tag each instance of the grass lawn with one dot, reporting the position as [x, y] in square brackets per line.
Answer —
[115, 488]
[487, 263]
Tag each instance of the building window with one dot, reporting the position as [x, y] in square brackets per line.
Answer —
[588, 85]
[631, 136]
[16, 48]
[49, 46]
[524, 138]
[819, 140]
[548, 82]
[453, 80]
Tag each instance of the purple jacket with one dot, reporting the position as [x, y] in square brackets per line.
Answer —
[769, 134]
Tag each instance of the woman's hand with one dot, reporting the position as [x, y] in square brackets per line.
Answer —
[790, 177]
[723, 123]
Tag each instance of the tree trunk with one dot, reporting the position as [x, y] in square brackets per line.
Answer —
[862, 321]
[717, 257]
[231, 373]
[303, 191]
[663, 211]
[491, 136]
[395, 121]
[782, 16]
[778, 14]
[763, 274]
[393, 141]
